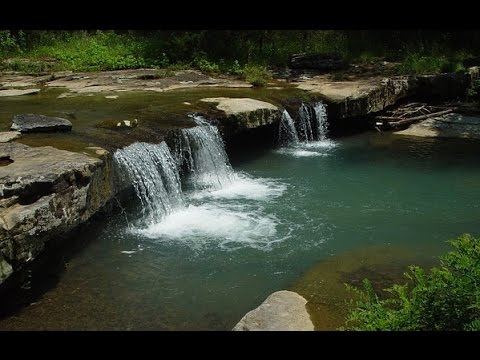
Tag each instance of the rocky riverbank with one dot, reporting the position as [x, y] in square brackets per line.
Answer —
[44, 194]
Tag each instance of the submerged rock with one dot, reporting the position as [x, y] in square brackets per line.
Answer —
[281, 311]
[45, 193]
[7, 136]
[39, 123]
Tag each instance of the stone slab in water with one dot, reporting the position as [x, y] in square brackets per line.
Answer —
[281, 311]
[39, 123]
[234, 106]
[18, 92]
[7, 136]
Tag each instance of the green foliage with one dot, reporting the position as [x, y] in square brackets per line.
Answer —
[203, 64]
[227, 51]
[446, 298]
[26, 66]
[473, 92]
[235, 69]
[367, 57]
[8, 43]
[432, 62]
[415, 63]
[102, 51]
[256, 75]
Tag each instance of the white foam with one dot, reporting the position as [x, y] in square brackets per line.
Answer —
[306, 153]
[309, 149]
[128, 252]
[228, 227]
[245, 187]
[320, 144]
[300, 152]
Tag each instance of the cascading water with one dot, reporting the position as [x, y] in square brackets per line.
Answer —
[221, 205]
[305, 123]
[322, 121]
[153, 172]
[287, 133]
[205, 157]
[308, 134]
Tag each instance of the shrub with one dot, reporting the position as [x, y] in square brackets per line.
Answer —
[256, 75]
[446, 298]
[473, 92]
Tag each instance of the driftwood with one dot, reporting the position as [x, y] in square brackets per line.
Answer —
[403, 122]
[409, 114]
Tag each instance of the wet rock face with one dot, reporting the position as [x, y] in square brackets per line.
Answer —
[281, 311]
[44, 193]
[29, 123]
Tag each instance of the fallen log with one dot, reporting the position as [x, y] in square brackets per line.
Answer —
[403, 122]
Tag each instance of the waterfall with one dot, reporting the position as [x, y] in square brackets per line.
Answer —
[287, 133]
[305, 119]
[204, 156]
[153, 172]
[208, 211]
[312, 125]
[322, 121]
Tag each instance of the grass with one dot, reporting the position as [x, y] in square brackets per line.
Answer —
[433, 63]
[240, 54]
[104, 51]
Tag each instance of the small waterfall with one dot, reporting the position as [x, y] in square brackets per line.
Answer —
[305, 119]
[209, 213]
[153, 172]
[287, 133]
[322, 121]
[204, 156]
[312, 125]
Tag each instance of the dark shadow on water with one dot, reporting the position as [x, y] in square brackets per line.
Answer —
[28, 285]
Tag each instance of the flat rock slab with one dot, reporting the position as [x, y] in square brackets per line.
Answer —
[281, 311]
[44, 194]
[339, 90]
[447, 126]
[27, 123]
[234, 106]
[7, 136]
[38, 165]
[18, 92]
